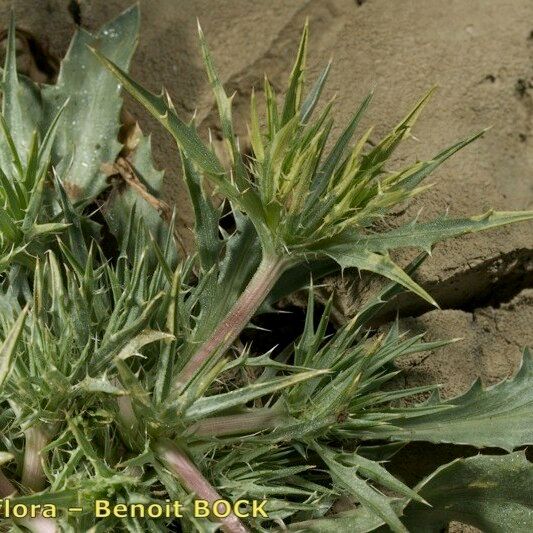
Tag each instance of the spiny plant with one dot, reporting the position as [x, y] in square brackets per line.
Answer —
[25, 161]
[122, 376]
[305, 206]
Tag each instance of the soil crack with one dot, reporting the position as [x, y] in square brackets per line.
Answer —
[74, 8]
[488, 284]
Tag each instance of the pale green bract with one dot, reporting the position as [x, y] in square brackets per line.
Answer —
[120, 374]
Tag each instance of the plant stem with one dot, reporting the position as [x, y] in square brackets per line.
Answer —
[128, 421]
[250, 422]
[193, 481]
[38, 524]
[6, 487]
[262, 282]
[32, 471]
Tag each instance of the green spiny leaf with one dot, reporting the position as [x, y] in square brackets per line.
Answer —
[348, 480]
[9, 346]
[21, 108]
[90, 122]
[498, 416]
[220, 402]
[491, 493]
[425, 235]
[185, 135]
[349, 256]
[296, 80]
[142, 339]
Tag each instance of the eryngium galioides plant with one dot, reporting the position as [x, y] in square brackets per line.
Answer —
[120, 374]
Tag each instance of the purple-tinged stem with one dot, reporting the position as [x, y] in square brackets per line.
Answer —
[6, 487]
[262, 282]
[32, 471]
[39, 524]
[250, 422]
[193, 481]
[129, 424]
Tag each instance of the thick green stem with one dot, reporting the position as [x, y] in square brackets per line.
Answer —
[193, 481]
[262, 282]
[32, 471]
[250, 422]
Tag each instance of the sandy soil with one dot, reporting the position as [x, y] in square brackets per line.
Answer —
[479, 53]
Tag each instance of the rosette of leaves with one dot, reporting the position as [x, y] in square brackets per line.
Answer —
[120, 377]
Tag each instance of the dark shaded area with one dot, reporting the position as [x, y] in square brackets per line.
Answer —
[43, 65]
[107, 241]
[277, 330]
[74, 8]
[489, 284]
[418, 460]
